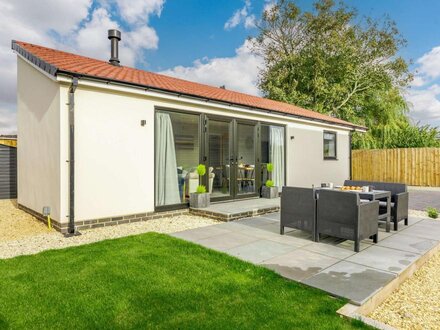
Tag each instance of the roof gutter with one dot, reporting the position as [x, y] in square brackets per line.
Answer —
[71, 231]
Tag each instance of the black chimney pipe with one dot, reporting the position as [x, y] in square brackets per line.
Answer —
[115, 37]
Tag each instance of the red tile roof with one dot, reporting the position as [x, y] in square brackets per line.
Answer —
[60, 61]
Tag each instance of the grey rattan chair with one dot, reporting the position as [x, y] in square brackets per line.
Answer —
[341, 214]
[298, 209]
[399, 198]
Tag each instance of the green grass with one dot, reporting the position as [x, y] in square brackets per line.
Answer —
[155, 281]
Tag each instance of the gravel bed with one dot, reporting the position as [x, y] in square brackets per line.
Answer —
[416, 303]
[417, 213]
[55, 240]
[16, 224]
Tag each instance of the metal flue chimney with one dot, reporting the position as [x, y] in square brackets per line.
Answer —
[115, 37]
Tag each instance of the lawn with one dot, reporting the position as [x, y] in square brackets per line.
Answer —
[155, 281]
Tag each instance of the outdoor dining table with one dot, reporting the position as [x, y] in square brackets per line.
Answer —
[372, 196]
[380, 195]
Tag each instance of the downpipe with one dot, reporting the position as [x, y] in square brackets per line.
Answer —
[71, 228]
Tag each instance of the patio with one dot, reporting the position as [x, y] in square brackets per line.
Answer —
[330, 265]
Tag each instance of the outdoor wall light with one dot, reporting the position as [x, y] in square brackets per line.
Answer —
[143, 122]
[292, 137]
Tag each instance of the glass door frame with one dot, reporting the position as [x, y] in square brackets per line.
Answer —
[233, 157]
[257, 152]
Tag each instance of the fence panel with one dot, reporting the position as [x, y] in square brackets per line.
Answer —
[413, 166]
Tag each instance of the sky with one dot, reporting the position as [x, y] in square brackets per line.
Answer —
[198, 40]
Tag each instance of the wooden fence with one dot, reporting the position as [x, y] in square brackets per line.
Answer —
[413, 166]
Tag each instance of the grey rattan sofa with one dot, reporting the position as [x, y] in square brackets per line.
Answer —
[341, 214]
[298, 209]
[399, 198]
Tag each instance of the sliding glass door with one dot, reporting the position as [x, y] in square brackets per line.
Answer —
[231, 150]
[235, 151]
[246, 158]
[220, 157]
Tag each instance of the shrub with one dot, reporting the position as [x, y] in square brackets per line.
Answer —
[269, 183]
[432, 212]
[201, 170]
[269, 167]
[201, 189]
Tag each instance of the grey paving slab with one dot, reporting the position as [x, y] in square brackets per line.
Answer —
[329, 250]
[408, 243]
[272, 227]
[413, 220]
[349, 245]
[226, 241]
[425, 228]
[255, 222]
[274, 216]
[383, 234]
[261, 250]
[200, 233]
[349, 280]
[383, 258]
[299, 234]
[289, 240]
[330, 265]
[299, 264]
[243, 205]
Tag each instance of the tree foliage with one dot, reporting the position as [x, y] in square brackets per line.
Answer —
[331, 61]
[403, 135]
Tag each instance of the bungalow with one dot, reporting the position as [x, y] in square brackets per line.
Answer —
[101, 142]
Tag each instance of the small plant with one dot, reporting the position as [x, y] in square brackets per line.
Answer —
[269, 183]
[432, 212]
[269, 167]
[201, 171]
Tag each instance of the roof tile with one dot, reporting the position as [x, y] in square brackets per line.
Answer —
[82, 65]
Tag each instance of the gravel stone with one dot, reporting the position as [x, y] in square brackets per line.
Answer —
[23, 234]
[16, 224]
[416, 303]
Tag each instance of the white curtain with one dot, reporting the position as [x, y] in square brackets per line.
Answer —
[167, 186]
[276, 154]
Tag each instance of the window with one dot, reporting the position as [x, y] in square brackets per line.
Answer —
[329, 145]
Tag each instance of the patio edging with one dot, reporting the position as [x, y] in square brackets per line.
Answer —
[233, 216]
[353, 311]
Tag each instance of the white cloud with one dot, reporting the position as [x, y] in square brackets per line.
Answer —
[242, 15]
[91, 39]
[237, 73]
[7, 119]
[138, 11]
[425, 104]
[424, 96]
[74, 25]
[429, 64]
[268, 5]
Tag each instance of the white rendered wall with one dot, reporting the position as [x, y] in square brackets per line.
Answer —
[114, 167]
[115, 154]
[305, 157]
[38, 105]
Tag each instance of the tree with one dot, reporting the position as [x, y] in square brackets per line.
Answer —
[403, 135]
[331, 61]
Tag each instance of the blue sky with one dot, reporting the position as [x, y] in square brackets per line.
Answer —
[200, 40]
